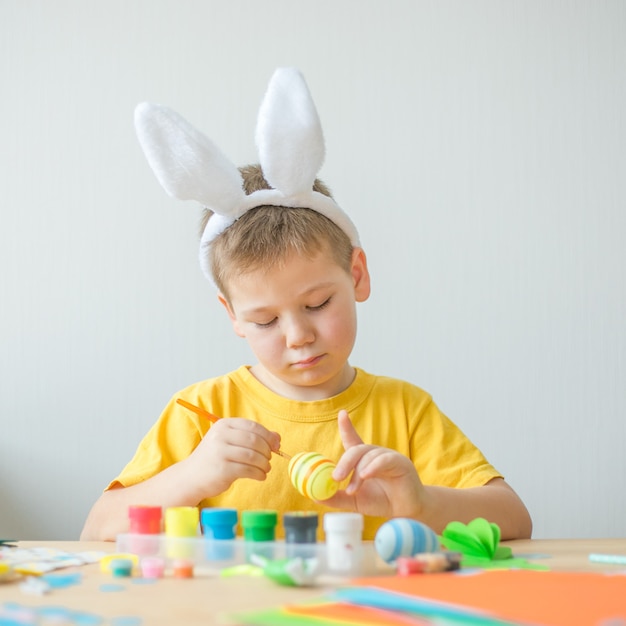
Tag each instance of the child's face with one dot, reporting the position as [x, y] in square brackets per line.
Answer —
[300, 322]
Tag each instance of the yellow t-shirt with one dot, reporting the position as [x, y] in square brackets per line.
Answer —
[385, 411]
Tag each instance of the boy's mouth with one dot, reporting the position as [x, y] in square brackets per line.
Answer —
[309, 362]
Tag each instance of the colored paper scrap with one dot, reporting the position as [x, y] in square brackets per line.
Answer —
[413, 605]
[284, 617]
[367, 606]
[549, 598]
[344, 612]
[38, 561]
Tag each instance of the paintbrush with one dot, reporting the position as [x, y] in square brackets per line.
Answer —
[213, 418]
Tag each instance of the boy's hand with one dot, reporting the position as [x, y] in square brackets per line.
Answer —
[384, 482]
[233, 448]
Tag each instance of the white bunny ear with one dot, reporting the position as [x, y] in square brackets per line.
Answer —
[289, 134]
[188, 164]
[290, 143]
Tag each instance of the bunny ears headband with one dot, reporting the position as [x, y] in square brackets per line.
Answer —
[290, 145]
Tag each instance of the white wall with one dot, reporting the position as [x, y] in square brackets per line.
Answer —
[479, 146]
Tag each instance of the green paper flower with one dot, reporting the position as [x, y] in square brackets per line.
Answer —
[479, 540]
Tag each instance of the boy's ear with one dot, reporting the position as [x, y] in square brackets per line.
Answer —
[360, 275]
[231, 314]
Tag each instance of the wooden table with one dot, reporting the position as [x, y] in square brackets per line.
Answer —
[207, 600]
[569, 554]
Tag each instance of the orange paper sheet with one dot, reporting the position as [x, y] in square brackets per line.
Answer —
[548, 598]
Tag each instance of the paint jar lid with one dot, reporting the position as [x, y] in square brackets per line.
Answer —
[144, 513]
[121, 567]
[152, 567]
[343, 522]
[262, 519]
[181, 520]
[218, 517]
[300, 520]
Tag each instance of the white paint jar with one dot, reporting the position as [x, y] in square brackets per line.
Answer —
[344, 542]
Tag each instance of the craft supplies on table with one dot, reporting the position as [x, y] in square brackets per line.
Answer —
[215, 556]
[404, 537]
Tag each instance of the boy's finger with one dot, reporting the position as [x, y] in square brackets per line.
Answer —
[275, 441]
[349, 436]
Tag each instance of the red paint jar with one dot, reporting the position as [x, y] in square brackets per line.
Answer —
[145, 520]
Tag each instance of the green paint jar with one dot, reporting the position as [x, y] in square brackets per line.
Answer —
[259, 525]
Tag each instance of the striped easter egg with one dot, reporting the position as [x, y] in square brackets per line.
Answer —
[311, 474]
[404, 537]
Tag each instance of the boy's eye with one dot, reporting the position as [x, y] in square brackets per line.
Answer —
[265, 324]
[319, 307]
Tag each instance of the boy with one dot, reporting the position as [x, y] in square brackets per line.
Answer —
[289, 271]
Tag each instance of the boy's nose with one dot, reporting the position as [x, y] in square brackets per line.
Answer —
[298, 333]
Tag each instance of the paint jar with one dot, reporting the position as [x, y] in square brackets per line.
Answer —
[121, 567]
[182, 568]
[218, 527]
[145, 527]
[181, 527]
[344, 542]
[182, 521]
[300, 529]
[145, 520]
[259, 527]
[152, 567]
[219, 523]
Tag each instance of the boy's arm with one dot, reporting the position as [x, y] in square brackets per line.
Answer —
[496, 501]
[109, 515]
[385, 483]
[233, 448]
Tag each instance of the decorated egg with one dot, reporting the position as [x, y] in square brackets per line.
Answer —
[404, 537]
[311, 474]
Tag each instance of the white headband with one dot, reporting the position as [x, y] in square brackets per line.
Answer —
[290, 145]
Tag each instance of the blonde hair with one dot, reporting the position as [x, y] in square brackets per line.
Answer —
[266, 235]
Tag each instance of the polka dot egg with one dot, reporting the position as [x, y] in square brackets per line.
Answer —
[404, 537]
[311, 474]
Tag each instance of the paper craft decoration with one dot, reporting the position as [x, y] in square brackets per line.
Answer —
[479, 543]
[479, 540]
[294, 572]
